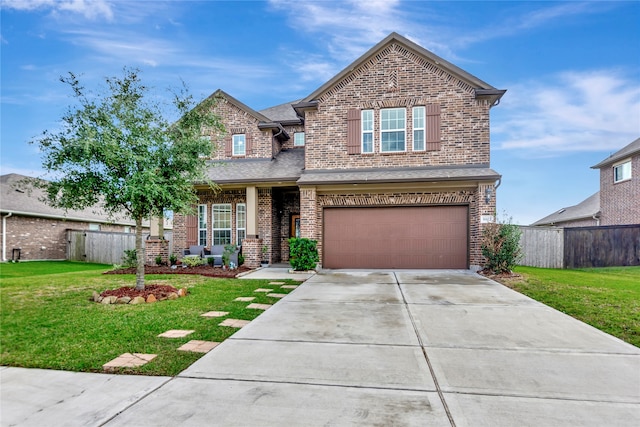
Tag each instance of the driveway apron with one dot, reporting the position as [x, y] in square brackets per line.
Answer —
[412, 348]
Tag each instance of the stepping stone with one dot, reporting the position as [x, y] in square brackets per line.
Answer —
[215, 314]
[175, 333]
[234, 323]
[245, 299]
[277, 295]
[276, 283]
[259, 306]
[289, 286]
[263, 290]
[198, 346]
[128, 360]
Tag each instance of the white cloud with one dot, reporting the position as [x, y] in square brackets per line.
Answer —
[572, 111]
[89, 9]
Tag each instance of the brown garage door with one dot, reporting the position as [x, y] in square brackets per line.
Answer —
[396, 237]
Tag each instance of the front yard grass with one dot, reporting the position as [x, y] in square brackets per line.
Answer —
[48, 320]
[606, 298]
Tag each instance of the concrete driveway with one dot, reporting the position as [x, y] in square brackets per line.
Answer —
[412, 348]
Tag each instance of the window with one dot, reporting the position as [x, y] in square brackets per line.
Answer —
[367, 131]
[622, 172]
[392, 129]
[202, 225]
[221, 223]
[418, 128]
[239, 147]
[241, 222]
[298, 139]
[207, 139]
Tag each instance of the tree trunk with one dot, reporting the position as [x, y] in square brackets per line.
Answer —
[140, 255]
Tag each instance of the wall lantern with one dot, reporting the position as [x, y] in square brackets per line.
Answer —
[487, 195]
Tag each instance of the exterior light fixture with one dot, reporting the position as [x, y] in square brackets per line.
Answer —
[487, 195]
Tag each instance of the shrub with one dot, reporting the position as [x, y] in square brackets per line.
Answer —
[211, 261]
[159, 260]
[173, 258]
[192, 260]
[240, 259]
[130, 259]
[501, 247]
[303, 253]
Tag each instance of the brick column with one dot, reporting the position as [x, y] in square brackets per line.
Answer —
[308, 218]
[252, 252]
[156, 247]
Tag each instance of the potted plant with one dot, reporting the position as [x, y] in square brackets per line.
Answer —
[265, 260]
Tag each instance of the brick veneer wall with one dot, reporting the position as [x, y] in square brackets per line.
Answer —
[265, 215]
[620, 203]
[154, 248]
[398, 78]
[43, 238]
[252, 252]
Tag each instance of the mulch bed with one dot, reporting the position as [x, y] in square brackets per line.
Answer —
[202, 270]
[159, 291]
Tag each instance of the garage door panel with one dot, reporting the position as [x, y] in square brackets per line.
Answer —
[396, 237]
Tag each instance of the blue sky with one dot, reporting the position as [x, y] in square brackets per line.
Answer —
[572, 69]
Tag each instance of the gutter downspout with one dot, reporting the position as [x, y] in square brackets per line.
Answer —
[274, 138]
[4, 236]
[597, 218]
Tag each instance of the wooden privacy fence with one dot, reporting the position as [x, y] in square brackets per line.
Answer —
[101, 246]
[580, 247]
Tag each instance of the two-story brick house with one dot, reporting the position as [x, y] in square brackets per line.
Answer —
[386, 165]
[620, 186]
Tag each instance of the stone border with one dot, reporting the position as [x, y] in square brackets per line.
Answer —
[136, 300]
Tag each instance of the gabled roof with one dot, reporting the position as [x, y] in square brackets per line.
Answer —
[586, 209]
[21, 199]
[258, 116]
[482, 88]
[627, 151]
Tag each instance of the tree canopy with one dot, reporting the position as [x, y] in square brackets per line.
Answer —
[118, 150]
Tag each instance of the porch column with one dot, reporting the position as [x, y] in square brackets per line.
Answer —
[252, 244]
[252, 212]
[308, 205]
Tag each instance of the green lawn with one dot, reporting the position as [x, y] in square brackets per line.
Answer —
[48, 321]
[606, 298]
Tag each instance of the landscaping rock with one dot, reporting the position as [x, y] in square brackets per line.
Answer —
[138, 300]
[173, 295]
[96, 297]
[109, 300]
[182, 292]
[151, 298]
[123, 300]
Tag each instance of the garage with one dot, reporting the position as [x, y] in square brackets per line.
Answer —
[396, 237]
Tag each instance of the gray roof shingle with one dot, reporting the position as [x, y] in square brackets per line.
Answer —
[286, 166]
[281, 113]
[585, 209]
[627, 151]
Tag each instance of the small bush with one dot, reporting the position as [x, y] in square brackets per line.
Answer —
[240, 259]
[130, 259]
[159, 260]
[173, 259]
[303, 253]
[192, 260]
[501, 247]
[211, 261]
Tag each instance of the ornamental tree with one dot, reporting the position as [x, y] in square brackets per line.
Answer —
[118, 150]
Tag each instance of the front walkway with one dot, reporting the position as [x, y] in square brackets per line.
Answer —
[442, 348]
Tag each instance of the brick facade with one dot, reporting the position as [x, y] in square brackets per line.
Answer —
[620, 202]
[44, 238]
[154, 248]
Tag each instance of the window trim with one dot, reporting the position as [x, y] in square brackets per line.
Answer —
[423, 117]
[233, 144]
[403, 130]
[620, 165]
[238, 228]
[364, 131]
[202, 216]
[214, 210]
[295, 137]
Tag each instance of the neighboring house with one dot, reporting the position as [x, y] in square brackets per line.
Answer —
[386, 165]
[620, 186]
[37, 229]
[584, 214]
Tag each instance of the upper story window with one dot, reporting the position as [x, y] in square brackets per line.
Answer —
[207, 139]
[239, 146]
[367, 131]
[418, 128]
[392, 129]
[298, 139]
[622, 171]
[202, 225]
